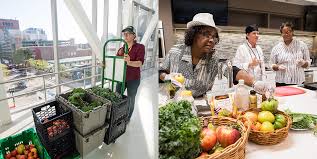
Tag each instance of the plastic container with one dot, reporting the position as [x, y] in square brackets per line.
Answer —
[86, 122]
[118, 110]
[52, 120]
[86, 144]
[115, 131]
[28, 136]
[241, 97]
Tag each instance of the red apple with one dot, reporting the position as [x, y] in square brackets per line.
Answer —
[30, 154]
[8, 156]
[203, 155]
[14, 153]
[13, 158]
[34, 150]
[227, 135]
[26, 152]
[22, 157]
[208, 139]
[31, 146]
[35, 155]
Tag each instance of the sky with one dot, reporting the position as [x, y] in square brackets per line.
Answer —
[37, 14]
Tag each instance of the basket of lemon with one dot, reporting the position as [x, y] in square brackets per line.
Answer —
[269, 126]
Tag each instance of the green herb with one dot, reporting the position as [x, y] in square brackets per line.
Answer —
[179, 131]
[107, 93]
[302, 120]
[79, 100]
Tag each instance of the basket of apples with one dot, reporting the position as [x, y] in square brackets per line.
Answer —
[269, 126]
[223, 138]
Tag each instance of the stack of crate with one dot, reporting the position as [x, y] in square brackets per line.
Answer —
[90, 127]
[119, 111]
[117, 120]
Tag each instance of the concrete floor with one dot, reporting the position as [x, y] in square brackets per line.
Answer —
[140, 140]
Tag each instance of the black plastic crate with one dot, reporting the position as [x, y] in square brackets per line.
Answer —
[118, 111]
[115, 131]
[52, 120]
[60, 147]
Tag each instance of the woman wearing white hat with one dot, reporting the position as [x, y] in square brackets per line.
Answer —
[195, 58]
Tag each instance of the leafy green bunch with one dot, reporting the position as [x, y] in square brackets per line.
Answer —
[303, 121]
[179, 131]
[107, 93]
[78, 99]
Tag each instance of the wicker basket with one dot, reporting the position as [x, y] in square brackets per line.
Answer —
[233, 151]
[270, 138]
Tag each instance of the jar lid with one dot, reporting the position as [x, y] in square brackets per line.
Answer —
[252, 92]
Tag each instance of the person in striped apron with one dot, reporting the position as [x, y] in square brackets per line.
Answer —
[289, 58]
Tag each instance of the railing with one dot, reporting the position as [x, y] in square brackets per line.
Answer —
[44, 88]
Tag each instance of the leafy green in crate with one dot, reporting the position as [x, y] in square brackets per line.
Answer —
[179, 131]
[107, 93]
[78, 98]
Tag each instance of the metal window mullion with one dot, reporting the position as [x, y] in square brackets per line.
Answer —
[44, 87]
[55, 42]
[137, 19]
[94, 23]
[119, 22]
[105, 21]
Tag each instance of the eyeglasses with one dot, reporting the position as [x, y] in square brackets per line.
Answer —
[211, 36]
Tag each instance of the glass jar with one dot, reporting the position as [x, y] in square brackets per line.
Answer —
[253, 100]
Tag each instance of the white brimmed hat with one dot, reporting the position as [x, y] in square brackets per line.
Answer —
[206, 19]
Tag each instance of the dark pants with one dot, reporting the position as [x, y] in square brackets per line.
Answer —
[132, 87]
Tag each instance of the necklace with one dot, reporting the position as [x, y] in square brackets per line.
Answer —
[257, 56]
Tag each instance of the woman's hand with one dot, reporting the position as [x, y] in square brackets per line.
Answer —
[254, 63]
[126, 58]
[301, 63]
[276, 67]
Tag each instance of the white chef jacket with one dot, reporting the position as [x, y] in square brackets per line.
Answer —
[244, 55]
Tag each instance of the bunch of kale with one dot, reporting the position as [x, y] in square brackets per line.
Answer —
[107, 93]
[78, 98]
[179, 131]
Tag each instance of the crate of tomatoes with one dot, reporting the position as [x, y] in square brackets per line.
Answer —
[22, 146]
